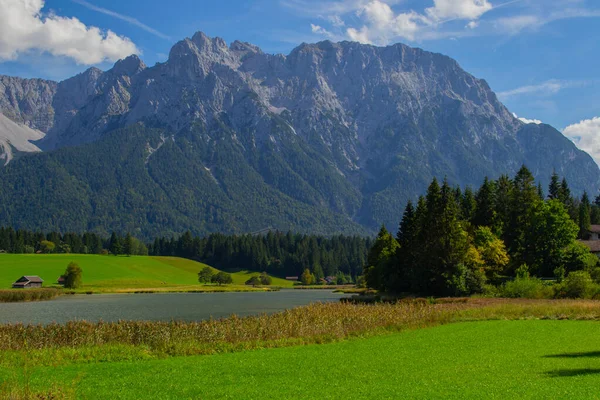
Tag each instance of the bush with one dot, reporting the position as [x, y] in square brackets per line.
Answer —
[528, 288]
[254, 281]
[72, 275]
[595, 274]
[577, 285]
[29, 250]
[265, 279]
[205, 275]
[222, 278]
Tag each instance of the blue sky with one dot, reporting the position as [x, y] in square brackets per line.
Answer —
[541, 56]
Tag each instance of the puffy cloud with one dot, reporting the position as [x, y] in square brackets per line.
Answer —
[23, 28]
[528, 121]
[586, 135]
[458, 9]
[382, 24]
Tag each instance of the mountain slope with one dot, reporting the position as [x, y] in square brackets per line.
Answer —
[229, 138]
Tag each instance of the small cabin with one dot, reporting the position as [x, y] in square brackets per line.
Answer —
[291, 278]
[27, 281]
[61, 280]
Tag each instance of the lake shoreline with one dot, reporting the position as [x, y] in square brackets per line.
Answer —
[186, 306]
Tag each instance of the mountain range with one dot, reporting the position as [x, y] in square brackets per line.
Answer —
[332, 138]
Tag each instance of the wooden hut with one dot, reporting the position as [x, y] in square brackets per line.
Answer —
[27, 281]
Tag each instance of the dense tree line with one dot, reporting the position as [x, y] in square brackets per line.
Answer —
[23, 241]
[455, 242]
[277, 253]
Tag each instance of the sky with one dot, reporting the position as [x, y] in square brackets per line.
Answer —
[541, 57]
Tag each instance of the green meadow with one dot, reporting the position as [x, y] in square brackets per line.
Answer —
[109, 273]
[532, 359]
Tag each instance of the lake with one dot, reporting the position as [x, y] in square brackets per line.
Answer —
[159, 306]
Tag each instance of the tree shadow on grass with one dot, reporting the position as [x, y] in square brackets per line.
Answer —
[561, 373]
[589, 354]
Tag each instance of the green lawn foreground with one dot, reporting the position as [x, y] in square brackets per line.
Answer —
[533, 359]
[107, 273]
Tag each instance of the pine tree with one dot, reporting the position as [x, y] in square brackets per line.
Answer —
[485, 213]
[584, 216]
[503, 200]
[564, 193]
[405, 260]
[524, 200]
[554, 187]
[128, 245]
[116, 246]
[468, 205]
[378, 261]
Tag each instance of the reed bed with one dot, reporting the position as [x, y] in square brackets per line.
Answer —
[316, 323]
[17, 295]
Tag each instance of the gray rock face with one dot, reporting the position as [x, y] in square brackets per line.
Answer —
[385, 119]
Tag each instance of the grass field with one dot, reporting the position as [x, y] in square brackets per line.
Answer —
[109, 273]
[493, 360]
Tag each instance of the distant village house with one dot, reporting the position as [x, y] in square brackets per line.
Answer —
[26, 282]
[593, 242]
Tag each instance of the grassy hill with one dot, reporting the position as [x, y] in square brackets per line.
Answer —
[109, 273]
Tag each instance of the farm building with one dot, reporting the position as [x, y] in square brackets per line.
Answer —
[26, 282]
[61, 280]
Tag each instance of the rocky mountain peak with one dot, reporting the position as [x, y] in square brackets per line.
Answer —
[356, 128]
[129, 66]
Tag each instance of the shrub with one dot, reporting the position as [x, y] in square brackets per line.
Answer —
[72, 275]
[265, 279]
[47, 246]
[595, 274]
[205, 275]
[254, 281]
[528, 288]
[222, 278]
[307, 278]
[578, 284]
[29, 250]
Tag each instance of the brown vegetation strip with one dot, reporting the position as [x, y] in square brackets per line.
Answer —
[310, 324]
[16, 295]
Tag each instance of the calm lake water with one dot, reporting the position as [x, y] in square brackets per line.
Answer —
[159, 306]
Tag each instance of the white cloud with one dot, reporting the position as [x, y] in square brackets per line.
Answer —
[321, 31]
[458, 9]
[586, 135]
[528, 121]
[126, 18]
[380, 22]
[336, 21]
[550, 87]
[23, 28]
[517, 23]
